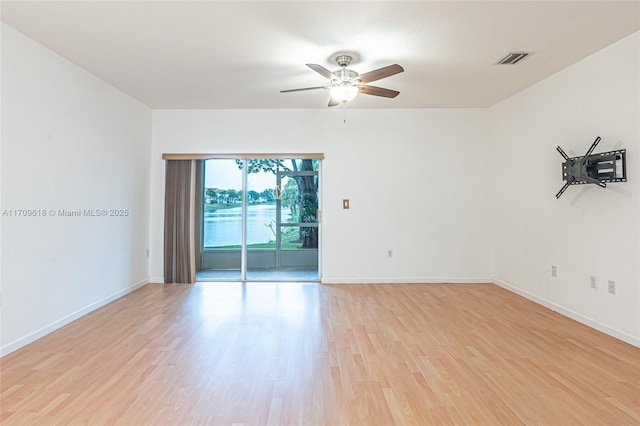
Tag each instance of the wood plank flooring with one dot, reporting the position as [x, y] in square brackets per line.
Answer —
[309, 354]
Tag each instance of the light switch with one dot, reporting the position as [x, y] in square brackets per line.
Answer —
[345, 203]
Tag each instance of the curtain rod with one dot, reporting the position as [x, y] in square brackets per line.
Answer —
[305, 156]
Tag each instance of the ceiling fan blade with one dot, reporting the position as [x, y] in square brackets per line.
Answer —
[322, 71]
[304, 88]
[378, 91]
[333, 102]
[380, 73]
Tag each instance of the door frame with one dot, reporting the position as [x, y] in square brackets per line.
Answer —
[279, 174]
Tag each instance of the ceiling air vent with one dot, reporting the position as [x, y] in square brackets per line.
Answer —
[512, 58]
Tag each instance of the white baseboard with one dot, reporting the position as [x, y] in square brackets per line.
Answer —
[156, 280]
[613, 332]
[407, 280]
[32, 337]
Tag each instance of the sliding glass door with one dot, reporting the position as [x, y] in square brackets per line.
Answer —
[222, 219]
[262, 217]
[298, 217]
[260, 220]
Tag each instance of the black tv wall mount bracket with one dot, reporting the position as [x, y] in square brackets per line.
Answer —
[598, 169]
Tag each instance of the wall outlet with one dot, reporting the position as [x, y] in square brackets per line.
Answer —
[592, 282]
[612, 287]
[554, 271]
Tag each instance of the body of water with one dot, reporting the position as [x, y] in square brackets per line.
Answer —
[223, 227]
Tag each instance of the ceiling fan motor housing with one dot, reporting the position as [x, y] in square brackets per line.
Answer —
[345, 75]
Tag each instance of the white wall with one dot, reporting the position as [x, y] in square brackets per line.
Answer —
[415, 178]
[69, 141]
[589, 231]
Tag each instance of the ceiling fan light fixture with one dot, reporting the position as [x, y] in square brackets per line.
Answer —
[345, 84]
[343, 93]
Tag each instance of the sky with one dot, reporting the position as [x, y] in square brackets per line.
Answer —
[225, 174]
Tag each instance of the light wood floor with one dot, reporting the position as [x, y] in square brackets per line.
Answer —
[306, 354]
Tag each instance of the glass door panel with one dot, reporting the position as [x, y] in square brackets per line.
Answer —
[262, 221]
[222, 220]
[298, 228]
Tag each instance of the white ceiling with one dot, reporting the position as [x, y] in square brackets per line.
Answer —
[240, 54]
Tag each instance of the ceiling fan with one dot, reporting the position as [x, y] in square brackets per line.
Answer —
[345, 84]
